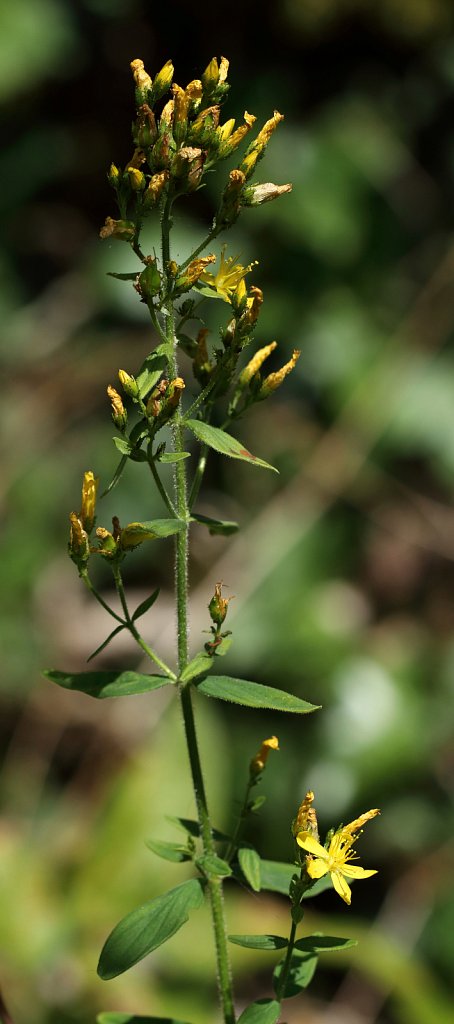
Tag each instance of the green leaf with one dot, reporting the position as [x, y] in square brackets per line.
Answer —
[263, 1011]
[249, 862]
[199, 666]
[208, 293]
[253, 695]
[151, 370]
[170, 457]
[221, 526]
[276, 877]
[107, 684]
[259, 941]
[212, 865]
[224, 443]
[116, 477]
[301, 972]
[256, 804]
[122, 277]
[147, 927]
[124, 446]
[193, 827]
[128, 1018]
[169, 851]
[161, 527]
[145, 605]
[318, 943]
[101, 647]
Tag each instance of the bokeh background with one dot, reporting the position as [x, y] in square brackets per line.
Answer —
[343, 568]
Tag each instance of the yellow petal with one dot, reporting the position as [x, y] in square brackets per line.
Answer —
[307, 841]
[352, 871]
[317, 868]
[341, 887]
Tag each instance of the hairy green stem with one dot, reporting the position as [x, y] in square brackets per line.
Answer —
[181, 587]
[286, 967]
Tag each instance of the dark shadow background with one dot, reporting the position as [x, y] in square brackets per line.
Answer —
[343, 568]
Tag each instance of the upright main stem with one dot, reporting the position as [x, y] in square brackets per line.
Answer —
[181, 587]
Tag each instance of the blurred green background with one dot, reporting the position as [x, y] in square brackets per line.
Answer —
[343, 569]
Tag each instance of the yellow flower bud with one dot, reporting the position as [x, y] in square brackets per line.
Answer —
[306, 818]
[255, 195]
[174, 393]
[194, 271]
[357, 824]
[210, 77]
[167, 113]
[108, 546]
[275, 379]
[136, 179]
[253, 305]
[194, 90]
[119, 414]
[89, 491]
[162, 81]
[225, 130]
[134, 534]
[259, 761]
[113, 176]
[255, 363]
[223, 70]
[78, 547]
[181, 103]
[155, 188]
[141, 77]
[269, 127]
[233, 139]
[128, 383]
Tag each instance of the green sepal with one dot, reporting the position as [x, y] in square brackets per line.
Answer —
[169, 851]
[263, 1011]
[107, 684]
[147, 927]
[210, 865]
[249, 862]
[224, 527]
[301, 971]
[193, 827]
[253, 695]
[145, 605]
[259, 941]
[134, 1018]
[319, 943]
[224, 443]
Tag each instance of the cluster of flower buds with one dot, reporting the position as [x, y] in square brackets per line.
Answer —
[114, 544]
[163, 401]
[176, 146]
[82, 524]
[252, 386]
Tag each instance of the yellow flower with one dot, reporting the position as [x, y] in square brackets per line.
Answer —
[336, 858]
[228, 277]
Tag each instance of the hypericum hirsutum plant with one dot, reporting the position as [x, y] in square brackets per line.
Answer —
[178, 138]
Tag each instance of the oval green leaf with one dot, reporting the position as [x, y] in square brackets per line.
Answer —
[199, 666]
[318, 943]
[224, 443]
[263, 1011]
[224, 527]
[301, 972]
[259, 941]
[107, 684]
[160, 527]
[253, 695]
[169, 851]
[147, 927]
[210, 864]
[276, 877]
[249, 862]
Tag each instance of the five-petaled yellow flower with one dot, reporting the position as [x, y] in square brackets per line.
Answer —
[336, 859]
[228, 277]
